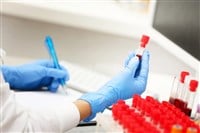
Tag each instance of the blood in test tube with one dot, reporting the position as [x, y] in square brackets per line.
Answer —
[143, 42]
[176, 128]
[178, 102]
[190, 96]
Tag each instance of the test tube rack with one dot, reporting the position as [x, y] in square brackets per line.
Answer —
[147, 115]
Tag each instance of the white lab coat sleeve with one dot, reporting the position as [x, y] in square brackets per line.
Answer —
[17, 118]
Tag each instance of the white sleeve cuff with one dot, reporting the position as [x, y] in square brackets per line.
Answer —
[68, 116]
[4, 90]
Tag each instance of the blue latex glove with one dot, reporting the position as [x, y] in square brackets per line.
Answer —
[132, 80]
[34, 75]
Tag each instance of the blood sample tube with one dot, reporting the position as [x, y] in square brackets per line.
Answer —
[139, 52]
[180, 89]
[143, 42]
[176, 128]
[190, 96]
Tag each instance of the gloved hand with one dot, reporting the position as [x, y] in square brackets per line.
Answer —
[34, 75]
[132, 80]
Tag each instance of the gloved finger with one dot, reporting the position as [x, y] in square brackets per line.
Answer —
[144, 66]
[132, 54]
[57, 74]
[53, 87]
[44, 62]
[49, 64]
[65, 69]
[133, 65]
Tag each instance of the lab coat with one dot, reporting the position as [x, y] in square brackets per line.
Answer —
[15, 117]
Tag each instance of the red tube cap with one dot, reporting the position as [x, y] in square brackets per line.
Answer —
[193, 85]
[144, 40]
[183, 75]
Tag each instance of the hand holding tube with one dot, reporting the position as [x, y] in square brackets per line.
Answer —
[122, 86]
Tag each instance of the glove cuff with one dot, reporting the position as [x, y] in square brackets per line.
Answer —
[98, 102]
[11, 76]
[6, 74]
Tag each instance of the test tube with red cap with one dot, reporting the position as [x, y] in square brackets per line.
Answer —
[143, 42]
[178, 102]
[190, 96]
[177, 92]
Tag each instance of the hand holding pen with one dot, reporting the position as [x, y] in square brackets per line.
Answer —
[50, 47]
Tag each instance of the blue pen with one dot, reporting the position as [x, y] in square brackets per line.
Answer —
[50, 46]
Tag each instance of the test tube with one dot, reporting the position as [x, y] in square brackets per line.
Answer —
[139, 52]
[176, 128]
[180, 89]
[173, 92]
[143, 42]
[190, 96]
[197, 115]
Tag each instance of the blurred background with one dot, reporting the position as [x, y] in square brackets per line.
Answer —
[99, 35]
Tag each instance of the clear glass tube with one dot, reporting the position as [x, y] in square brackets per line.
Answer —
[197, 115]
[189, 103]
[179, 90]
[190, 97]
[178, 101]
[173, 91]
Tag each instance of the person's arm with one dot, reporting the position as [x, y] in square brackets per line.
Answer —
[84, 108]
[64, 116]
[52, 117]
[58, 117]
